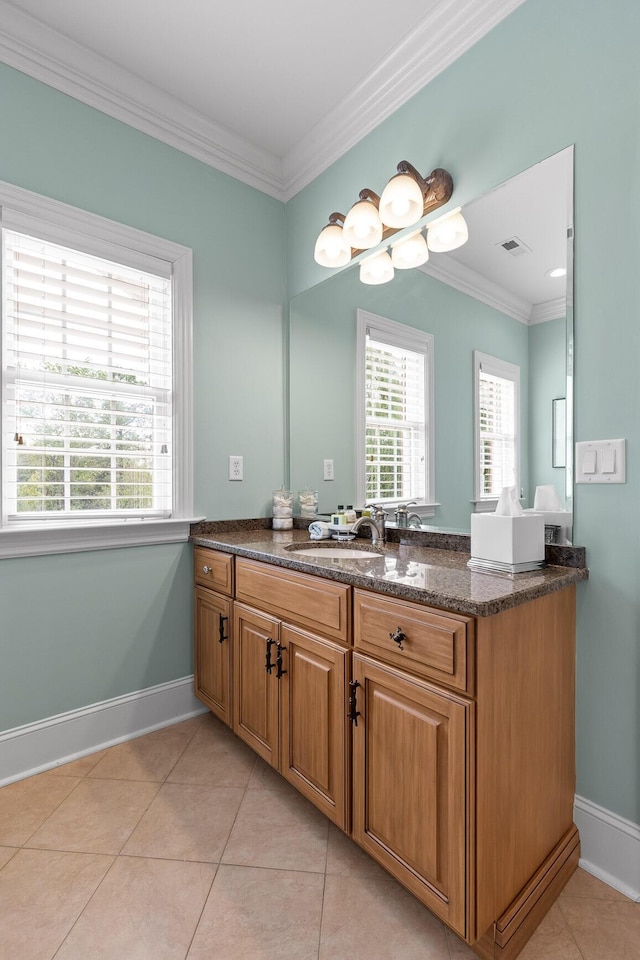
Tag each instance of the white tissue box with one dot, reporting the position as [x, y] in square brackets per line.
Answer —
[507, 539]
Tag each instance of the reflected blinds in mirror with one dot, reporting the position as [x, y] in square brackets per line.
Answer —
[395, 422]
[497, 405]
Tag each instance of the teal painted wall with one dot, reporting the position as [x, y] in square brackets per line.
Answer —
[82, 628]
[547, 381]
[323, 354]
[550, 75]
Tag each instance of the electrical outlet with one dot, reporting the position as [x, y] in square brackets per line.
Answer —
[235, 467]
[328, 470]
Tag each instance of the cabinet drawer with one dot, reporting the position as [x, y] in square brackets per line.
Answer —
[306, 600]
[435, 645]
[213, 569]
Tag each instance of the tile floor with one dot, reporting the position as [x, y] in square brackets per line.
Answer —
[181, 844]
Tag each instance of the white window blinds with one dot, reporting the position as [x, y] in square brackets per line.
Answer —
[87, 385]
[395, 440]
[497, 402]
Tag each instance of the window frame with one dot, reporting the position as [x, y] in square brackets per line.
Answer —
[410, 338]
[506, 371]
[26, 212]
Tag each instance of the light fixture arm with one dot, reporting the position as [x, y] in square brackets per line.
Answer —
[436, 188]
[366, 194]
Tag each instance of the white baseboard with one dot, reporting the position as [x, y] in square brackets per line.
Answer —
[48, 743]
[610, 847]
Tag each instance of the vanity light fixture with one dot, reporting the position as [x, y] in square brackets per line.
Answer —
[362, 226]
[407, 198]
[448, 232]
[332, 250]
[377, 269]
[411, 251]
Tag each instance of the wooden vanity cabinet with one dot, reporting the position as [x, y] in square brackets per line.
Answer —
[448, 739]
[290, 684]
[213, 575]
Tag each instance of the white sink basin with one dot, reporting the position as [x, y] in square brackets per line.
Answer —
[337, 553]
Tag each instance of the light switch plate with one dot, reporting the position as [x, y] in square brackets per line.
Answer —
[601, 461]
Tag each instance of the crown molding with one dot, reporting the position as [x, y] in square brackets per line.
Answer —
[447, 270]
[33, 48]
[37, 50]
[549, 310]
[433, 45]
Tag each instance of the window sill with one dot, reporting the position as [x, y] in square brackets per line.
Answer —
[58, 538]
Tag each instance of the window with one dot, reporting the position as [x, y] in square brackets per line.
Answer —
[96, 412]
[394, 413]
[497, 417]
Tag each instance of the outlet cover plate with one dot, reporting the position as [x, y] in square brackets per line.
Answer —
[235, 467]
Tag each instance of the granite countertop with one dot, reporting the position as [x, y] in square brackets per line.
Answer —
[406, 568]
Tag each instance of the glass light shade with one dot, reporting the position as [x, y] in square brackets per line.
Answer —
[332, 250]
[447, 233]
[362, 227]
[377, 269]
[410, 252]
[401, 203]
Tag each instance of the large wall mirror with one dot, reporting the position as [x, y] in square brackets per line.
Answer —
[497, 294]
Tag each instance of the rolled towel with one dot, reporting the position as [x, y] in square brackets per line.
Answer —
[319, 530]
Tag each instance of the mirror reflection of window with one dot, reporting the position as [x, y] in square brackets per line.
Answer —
[394, 437]
[497, 415]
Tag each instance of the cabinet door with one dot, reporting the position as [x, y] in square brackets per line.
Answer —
[410, 750]
[313, 720]
[255, 683]
[212, 655]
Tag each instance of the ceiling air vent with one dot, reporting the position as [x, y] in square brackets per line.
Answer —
[515, 247]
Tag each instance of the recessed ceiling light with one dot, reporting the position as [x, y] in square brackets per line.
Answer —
[557, 272]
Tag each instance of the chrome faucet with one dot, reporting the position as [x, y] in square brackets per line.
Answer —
[377, 523]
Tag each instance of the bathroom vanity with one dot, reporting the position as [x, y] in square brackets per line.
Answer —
[427, 710]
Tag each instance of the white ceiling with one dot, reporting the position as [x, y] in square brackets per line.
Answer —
[271, 93]
[534, 207]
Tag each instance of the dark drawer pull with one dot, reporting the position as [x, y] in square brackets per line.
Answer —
[267, 664]
[354, 713]
[279, 649]
[398, 637]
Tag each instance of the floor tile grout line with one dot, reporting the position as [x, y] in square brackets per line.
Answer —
[122, 780]
[56, 808]
[260, 866]
[204, 904]
[569, 927]
[9, 847]
[324, 890]
[137, 823]
[244, 793]
[186, 746]
[72, 927]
